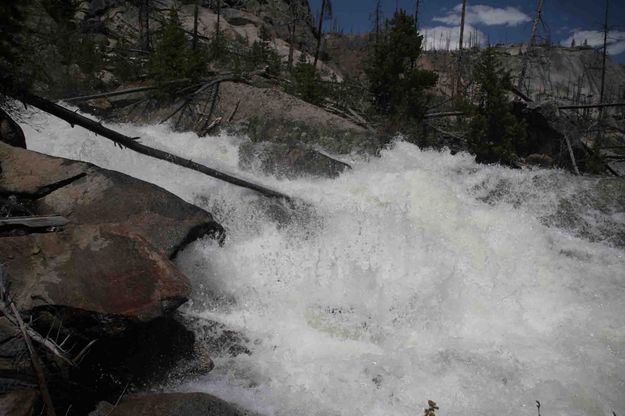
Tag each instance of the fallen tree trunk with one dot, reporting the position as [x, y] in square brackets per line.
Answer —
[132, 143]
[577, 107]
[444, 114]
[35, 222]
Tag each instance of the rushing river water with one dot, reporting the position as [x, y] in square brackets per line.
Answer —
[417, 275]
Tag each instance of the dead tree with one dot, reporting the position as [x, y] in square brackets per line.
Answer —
[196, 11]
[132, 143]
[530, 44]
[416, 15]
[325, 12]
[217, 48]
[144, 24]
[377, 21]
[294, 18]
[458, 84]
[604, 58]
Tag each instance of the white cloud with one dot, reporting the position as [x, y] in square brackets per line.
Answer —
[485, 15]
[616, 40]
[446, 37]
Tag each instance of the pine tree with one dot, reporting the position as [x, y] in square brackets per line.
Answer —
[397, 85]
[308, 84]
[495, 134]
[173, 56]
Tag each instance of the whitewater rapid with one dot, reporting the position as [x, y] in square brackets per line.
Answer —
[417, 275]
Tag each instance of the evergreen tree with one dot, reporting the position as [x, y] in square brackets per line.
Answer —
[173, 56]
[262, 54]
[13, 56]
[495, 134]
[397, 85]
[308, 84]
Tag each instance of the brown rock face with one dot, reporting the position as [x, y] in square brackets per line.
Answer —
[103, 269]
[113, 259]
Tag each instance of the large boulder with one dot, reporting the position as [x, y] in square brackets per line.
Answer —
[113, 260]
[171, 404]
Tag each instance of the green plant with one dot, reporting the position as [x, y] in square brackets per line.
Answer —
[307, 82]
[495, 134]
[261, 54]
[397, 85]
[173, 57]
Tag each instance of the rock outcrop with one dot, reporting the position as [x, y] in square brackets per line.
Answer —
[107, 275]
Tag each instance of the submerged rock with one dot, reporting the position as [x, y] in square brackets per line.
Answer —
[171, 404]
[289, 161]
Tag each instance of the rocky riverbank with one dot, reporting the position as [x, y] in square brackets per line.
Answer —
[105, 276]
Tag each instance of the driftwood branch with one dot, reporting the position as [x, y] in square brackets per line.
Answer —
[133, 144]
[571, 154]
[35, 222]
[562, 107]
[8, 309]
[581, 106]
[444, 114]
[36, 363]
[111, 93]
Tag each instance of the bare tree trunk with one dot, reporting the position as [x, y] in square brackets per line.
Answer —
[218, 29]
[458, 84]
[605, 54]
[416, 15]
[148, 43]
[464, 10]
[378, 18]
[319, 32]
[133, 144]
[195, 21]
[291, 28]
[530, 45]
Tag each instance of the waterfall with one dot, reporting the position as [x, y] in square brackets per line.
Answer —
[416, 275]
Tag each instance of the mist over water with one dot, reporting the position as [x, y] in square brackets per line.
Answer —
[417, 275]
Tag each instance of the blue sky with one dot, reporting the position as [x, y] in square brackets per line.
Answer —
[497, 20]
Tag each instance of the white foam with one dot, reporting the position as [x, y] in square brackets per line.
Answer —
[402, 286]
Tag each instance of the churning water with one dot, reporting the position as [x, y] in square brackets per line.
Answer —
[417, 275]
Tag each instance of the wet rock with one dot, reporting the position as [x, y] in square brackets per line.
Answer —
[104, 270]
[543, 161]
[171, 404]
[289, 161]
[86, 194]
[10, 132]
[113, 260]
